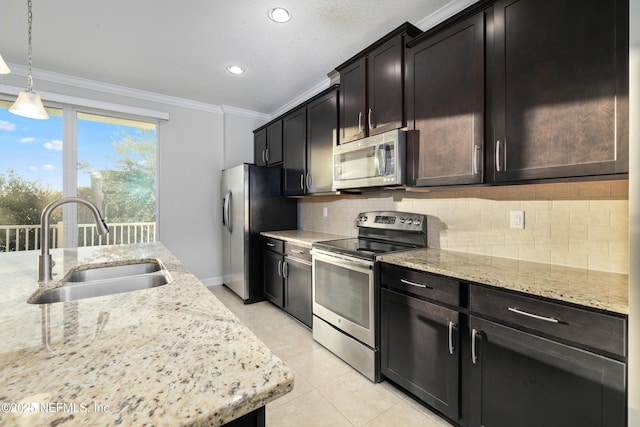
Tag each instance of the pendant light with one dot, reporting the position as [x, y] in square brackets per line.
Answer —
[29, 103]
[3, 67]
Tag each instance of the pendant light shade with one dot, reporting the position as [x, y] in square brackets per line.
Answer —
[29, 103]
[3, 67]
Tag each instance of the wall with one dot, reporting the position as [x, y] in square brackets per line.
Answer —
[581, 225]
[238, 134]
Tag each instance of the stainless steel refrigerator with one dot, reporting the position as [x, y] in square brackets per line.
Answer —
[252, 202]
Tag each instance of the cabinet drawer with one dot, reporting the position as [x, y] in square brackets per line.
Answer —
[419, 283]
[273, 244]
[297, 251]
[588, 328]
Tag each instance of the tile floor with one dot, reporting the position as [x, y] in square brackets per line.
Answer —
[327, 391]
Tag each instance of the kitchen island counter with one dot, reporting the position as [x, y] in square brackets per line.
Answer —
[170, 355]
[589, 288]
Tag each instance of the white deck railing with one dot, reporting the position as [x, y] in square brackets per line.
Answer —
[27, 237]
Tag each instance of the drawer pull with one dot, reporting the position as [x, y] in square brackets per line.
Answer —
[535, 316]
[474, 354]
[295, 251]
[280, 268]
[271, 245]
[418, 285]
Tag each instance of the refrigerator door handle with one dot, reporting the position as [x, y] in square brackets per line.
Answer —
[227, 212]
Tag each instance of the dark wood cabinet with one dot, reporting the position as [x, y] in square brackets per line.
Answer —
[533, 362]
[295, 152]
[445, 105]
[267, 144]
[273, 261]
[560, 88]
[372, 87]
[419, 344]
[520, 379]
[297, 284]
[309, 134]
[322, 136]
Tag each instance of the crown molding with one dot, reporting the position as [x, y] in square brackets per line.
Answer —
[444, 13]
[300, 99]
[227, 109]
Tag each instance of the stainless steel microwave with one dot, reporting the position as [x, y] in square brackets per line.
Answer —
[376, 161]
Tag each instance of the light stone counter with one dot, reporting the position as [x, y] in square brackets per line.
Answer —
[596, 289]
[302, 237]
[171, 355]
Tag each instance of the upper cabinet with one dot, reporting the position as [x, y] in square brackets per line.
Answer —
[309, 135]
[372, 87]
[560, 90]
[445, 105]
[267, 149]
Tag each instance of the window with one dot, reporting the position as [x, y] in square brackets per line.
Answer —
[105, 158]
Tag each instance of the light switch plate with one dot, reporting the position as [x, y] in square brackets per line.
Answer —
[516, 219]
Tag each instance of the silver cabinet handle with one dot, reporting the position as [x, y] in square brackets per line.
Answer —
[295, 251]
[302, 181]
[266, 155]
[474, 354]
[498, 156]
[285, 269]
[451, 347]
[271, 245]
[476, 149]
[280, 268]
[535, 316]
[369, 118]
[360, 122]
[309, 181]
[419, 285]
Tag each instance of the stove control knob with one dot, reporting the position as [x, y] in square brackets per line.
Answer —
[402, 220]
[409, 221]
[365, 218]
[417, 222]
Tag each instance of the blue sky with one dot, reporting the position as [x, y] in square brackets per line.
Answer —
[33, 148]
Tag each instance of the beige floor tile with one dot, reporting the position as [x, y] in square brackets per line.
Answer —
[320, 366]
[309, 410]
[357, 398]
[403, 415]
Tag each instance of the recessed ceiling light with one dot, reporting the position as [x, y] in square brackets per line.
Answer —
[279, 14]
[235, 69]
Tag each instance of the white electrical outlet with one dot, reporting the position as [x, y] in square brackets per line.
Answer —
[516, 219]
[325, 212]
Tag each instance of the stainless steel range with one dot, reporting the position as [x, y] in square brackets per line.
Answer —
[346, 289]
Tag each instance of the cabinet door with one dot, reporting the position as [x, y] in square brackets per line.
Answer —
[445, 106]
[322, 130]
[385, 85]
[273, 280]
[353, 101]
[561, 84]
[297, 301]
[420, 352]
[274, 143]
[260, 147]
[519, 379]
[294, 143]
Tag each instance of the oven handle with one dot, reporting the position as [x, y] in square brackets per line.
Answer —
[343, 261]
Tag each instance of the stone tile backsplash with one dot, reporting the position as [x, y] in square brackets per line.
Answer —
[584, 225]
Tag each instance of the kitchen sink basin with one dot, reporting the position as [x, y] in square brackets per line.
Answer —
[105, 280]
[113, 271]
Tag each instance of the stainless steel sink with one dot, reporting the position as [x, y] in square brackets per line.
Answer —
[105, 280]
[113, 271]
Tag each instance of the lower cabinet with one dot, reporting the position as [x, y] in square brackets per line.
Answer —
[520, 379]
[273, 261]
[487, 357]
[419, 337]
[297, 283]
[287, 278]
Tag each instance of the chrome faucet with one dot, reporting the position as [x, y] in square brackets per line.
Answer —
[45, 264]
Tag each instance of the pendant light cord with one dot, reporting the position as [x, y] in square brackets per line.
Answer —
[30, 16]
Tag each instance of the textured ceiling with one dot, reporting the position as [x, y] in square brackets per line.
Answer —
[182, 48]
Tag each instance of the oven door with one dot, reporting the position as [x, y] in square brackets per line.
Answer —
[343, 294]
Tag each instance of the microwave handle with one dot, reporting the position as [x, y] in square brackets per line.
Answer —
[383, 157]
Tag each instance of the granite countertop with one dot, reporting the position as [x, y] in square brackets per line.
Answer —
[591, 288]
[171, 355]
[302, 237]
